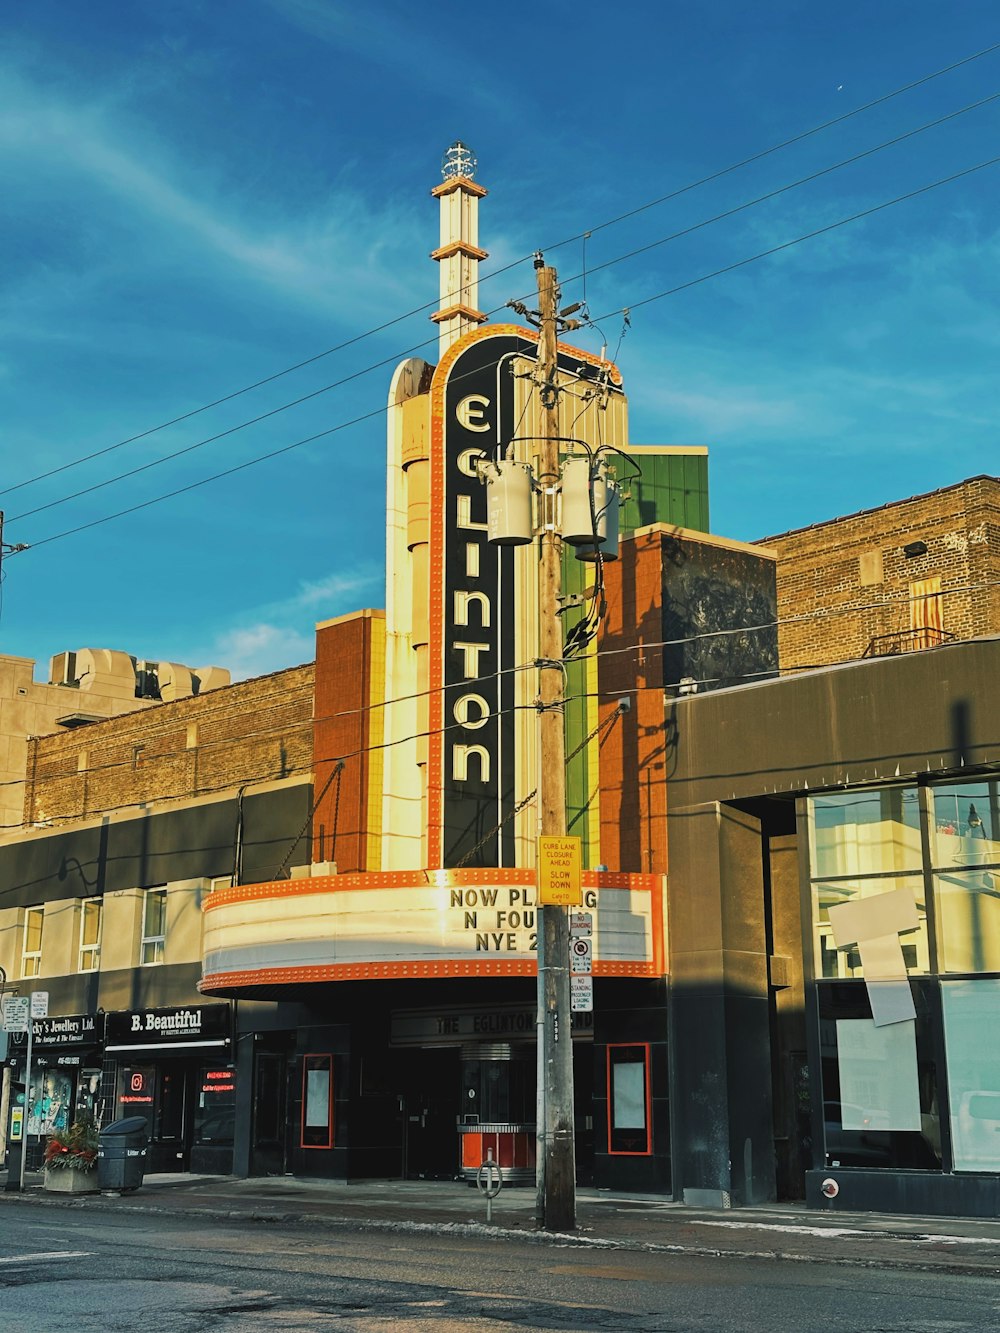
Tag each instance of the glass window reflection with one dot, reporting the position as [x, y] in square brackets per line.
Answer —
[865, 832]
[845, 963]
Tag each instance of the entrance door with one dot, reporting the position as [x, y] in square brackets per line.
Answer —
[431, 1115]
[270, 1087]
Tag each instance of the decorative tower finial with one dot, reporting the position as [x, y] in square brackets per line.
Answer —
[459, 160]
[458, 253]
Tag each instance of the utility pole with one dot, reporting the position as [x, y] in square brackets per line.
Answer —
[556, 1202]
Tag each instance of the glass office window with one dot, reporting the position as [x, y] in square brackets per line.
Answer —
[154, 927]
[90, 935]
[971, 1015]
[965, 853]
[968, 907]
[865, 832]
[966, 830]
[31, 943]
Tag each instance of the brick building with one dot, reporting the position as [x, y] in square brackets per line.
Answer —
[293, 923]
[910, 574]
[83, 687]
[258, 730]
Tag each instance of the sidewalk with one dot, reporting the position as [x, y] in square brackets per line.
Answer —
[604, 1219]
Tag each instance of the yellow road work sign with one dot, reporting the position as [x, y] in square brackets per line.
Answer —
[559, 861]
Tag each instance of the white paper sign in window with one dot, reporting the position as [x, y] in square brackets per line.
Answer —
[874, 925]
[878, 1075]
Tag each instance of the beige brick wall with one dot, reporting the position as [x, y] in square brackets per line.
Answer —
[842, 583]
[255, 731]
[31, 708]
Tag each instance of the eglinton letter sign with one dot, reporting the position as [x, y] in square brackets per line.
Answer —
[472, 609]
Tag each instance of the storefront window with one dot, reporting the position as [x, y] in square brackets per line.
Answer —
[628, 1100]
[965, 852]
[88, 1094]
[49, 1102]
[844, 963]
[317, 1101]
[966, 824]
[865, 832]
[215, 1113]
[880, 1084]
[137, 1092]
[971, 1015]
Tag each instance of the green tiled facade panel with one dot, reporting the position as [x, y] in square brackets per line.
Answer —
[672, 489]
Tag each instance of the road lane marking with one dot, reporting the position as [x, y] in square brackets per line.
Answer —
[46, 1255]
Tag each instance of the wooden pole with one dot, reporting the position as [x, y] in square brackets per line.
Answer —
[557, 1148]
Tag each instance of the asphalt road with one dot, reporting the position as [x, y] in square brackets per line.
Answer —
[66, 1270]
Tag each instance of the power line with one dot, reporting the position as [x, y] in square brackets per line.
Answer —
[392, 359]
[634, 305]
[645, 646]
[601, 226]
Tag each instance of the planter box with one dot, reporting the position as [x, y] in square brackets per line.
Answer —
[70, 1180]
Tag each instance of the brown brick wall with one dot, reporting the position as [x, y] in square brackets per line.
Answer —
[255, 731]
[820, 572]
[343, 731]
[633, 758]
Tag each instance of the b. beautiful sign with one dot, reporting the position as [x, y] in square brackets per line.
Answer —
[162, 1029]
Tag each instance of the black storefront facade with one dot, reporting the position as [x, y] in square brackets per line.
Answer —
[418, 1079]
[64, 1081]
[140, 1039]
[804, 1062]
[173, 1067]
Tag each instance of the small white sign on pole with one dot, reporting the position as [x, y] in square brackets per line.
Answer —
[40, 1004]
[581, 990]
[581, 923]
[580, 955]
[16, 1013]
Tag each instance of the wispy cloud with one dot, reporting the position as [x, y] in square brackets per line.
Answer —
[333, 254]
[256, 650]
[416, 52]
[281, 634]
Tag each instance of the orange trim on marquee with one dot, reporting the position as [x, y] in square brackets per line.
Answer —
[473, 966]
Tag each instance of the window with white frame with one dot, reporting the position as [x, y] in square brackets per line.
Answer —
[154, 926]
[31, 944]
[90, 934]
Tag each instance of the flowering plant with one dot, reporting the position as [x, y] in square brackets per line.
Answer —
[77, 1148]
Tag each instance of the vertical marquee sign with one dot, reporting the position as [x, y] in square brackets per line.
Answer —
[472, 608]
[473, 599]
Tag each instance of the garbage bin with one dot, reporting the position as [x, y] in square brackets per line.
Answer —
[121, 1154]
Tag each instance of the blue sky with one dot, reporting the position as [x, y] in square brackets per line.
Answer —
[200, 195]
